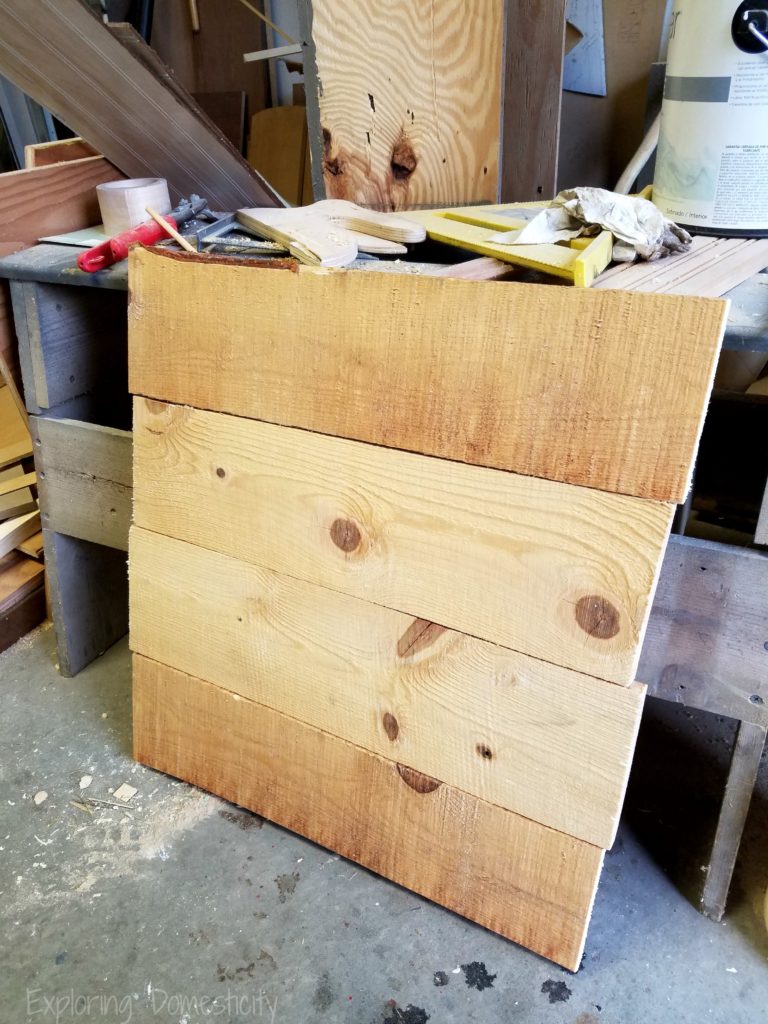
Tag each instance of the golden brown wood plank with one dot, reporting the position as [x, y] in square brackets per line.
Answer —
[43, 154]
[428, 133]
[551, 744]
[558, 572]
[32, 546]
[19, 576]
[15, 442]
[605, 389]
[529, 883]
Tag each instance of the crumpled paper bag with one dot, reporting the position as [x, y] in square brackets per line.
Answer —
[640, 228]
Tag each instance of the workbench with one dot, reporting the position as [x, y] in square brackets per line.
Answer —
[707, 640]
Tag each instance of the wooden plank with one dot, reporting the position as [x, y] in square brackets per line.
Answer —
[705, 642]
[19, 576]
[527, 882]
[43, 154]
[85, 479]
[32, 546]
[551, 744]
[49, 200]
[15, 442]
[36, 202]
[15, 495]
[428, 134]
[13, 532]
[761, 530]
[12, 484]
[22, 617]
[277, 148]
[71, 341]
[534, 41]
[400, 529]
[89, 598]
[67, 60]
[711, 267]
[742, 776]
[549, 382]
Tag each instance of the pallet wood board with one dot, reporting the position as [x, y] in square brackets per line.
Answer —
[543, 381]
[399, 530]
[705, 642]
[527, 882]
[551, 744]
[61, 55]
[85, 479]
[712, 267]
[426, 135]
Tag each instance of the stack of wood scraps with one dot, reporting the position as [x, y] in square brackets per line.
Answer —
[22, 588]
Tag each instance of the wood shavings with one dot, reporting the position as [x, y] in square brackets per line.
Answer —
[125, 792]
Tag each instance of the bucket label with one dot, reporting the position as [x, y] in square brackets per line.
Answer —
[712, 158]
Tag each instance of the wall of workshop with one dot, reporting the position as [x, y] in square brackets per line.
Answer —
[599, 134]
[211, 60]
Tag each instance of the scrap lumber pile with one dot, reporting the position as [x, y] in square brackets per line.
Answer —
[22, 586]
[395, 543]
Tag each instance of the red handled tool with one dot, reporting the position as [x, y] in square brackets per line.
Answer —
[116, 249]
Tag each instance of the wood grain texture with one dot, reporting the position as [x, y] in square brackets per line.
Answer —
[401, 530]
[14, 531]
[15, 442]
[43, 154]
[568, 384]
[73, 340]
[15, 494]
[19, 576]
[89, 598]
[534, 40]
[551, 744]
[745, 762]
[85, 479]
[409, 99]
[529, 883]
[67, 60]
[705, 642]
[712, 267]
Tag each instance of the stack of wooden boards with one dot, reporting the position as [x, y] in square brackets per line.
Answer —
[395, 542]
[22, 576]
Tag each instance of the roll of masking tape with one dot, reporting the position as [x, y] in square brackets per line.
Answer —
[123, 204]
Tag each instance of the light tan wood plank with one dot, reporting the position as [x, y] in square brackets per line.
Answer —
[32, 546]
[14, 531]
[15, 442]
[15, 495]
[551, 744]
[558, 572]
[605, 389]
[529, 883]
[12, 484]
[426, 134]
[85, 479]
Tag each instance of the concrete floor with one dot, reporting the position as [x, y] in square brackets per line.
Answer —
[181, 907]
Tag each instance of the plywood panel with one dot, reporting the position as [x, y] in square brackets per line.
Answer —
[527, 882]
[427, 132]
[606, 389]
[552, 744]
[559, 572]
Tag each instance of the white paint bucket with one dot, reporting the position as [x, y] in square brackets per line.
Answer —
[712, 162]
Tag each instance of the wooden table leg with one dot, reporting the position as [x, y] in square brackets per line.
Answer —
[733, 814]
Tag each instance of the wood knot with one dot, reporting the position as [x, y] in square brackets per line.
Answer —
[597, 616]
[418, 782]
[391, 728]
[420, 634]
[221, 472]
[484, 751]
[404, 159]
[345, 534]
